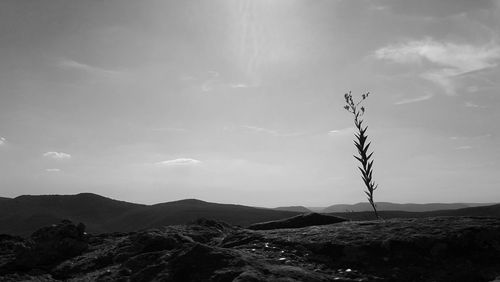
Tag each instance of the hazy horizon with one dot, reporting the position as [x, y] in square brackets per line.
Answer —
[241, 101]
[236, 203]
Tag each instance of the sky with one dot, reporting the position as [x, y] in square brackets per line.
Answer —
[242, 101]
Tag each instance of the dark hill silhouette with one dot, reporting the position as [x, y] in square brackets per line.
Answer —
[24, 214]
[486, 211]
[491, 210]
[387, 206]
[179, 212]
[301, 209]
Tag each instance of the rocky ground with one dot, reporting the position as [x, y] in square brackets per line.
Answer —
[424, 249]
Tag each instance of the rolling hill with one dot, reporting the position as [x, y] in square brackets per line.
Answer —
[387, 206]
[184, 211]
[483, 211]
[301, 209]
[24, 214]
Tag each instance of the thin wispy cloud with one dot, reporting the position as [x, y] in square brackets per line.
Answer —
[53, 170]
[179, 162]
[211, 82]
[3, 140]
[472, 105]
[341, 132]
[187, 78]
[169, 129]
[260, 129]
[57, 155]
[271, 132]
[216, 81]
[240, 85]
[378, 7]
[207, 86]
[463, 147]
[489, 135]
[69, 64]
[447, 60]
[415, 100]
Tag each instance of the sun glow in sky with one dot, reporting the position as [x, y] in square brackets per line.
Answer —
[241, 101]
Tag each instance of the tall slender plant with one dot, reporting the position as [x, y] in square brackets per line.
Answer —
[364, 157]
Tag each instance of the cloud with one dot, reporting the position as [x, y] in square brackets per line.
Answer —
[463, 147]
[215, 80]
[478, 137]
[74, 65]
[472, 105]
[52, 170]
[427, 10]
[211, 82]
[57, 155]
[240, 85]
[378, 7]
[415, 100]
[340, 132]
[3, 140]
[447, 60]
[271, 132]
[169, 129]
[260, 129]
[179, 162]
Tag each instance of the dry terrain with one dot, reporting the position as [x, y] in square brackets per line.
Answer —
[423, 249]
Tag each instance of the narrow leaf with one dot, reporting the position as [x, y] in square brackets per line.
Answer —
[365, 150]
[367, 181]
[362, 139]
[370, 164]
[357, 145]
[370, 155]
[360, 152]
[359, 159]
[363, 130]
[362, 171]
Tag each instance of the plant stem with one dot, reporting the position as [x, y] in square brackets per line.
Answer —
[361, 144]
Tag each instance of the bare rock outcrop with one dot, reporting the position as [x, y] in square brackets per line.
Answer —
[303, 220]
[51, 245]
[425, 249]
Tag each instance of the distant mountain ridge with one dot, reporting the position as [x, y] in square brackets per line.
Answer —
[409, 207]
[482, 211]
[301, 209]
[4, 199]
[24, 214]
